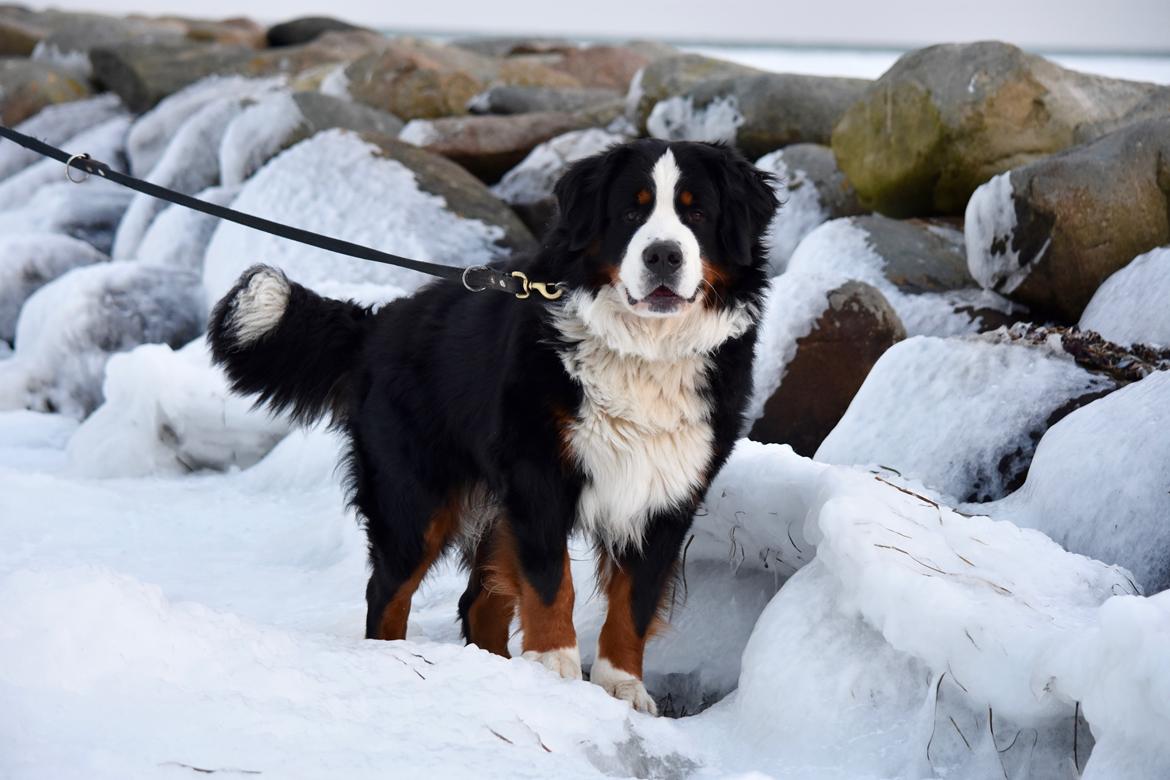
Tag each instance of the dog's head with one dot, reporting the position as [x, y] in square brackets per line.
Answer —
[657, 230]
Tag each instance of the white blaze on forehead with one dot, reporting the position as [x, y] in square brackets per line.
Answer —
[664, 224]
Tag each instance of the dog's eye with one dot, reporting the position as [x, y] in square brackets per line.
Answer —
[633, 215]
[695, 216]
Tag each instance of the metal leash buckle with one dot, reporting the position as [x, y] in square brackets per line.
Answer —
[469, 269]
[69, 168]
[541, 287]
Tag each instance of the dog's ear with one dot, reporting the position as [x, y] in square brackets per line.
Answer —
[748, 203]
[580, 195]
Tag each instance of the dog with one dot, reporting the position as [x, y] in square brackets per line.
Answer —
[501, 426]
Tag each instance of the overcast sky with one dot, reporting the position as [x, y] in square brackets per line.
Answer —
[1122, 25]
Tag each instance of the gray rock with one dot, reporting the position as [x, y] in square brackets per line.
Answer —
[1156, 105]
[306, 29]
[26, 87]
[506, 46]
[857, 326]
[945, 119]
[609, 67]
[28, 261]
[526, 100]
[1048, 234]
[675, 76]
[73, 36]
[774, 109]
[919, 256]
[816, 164]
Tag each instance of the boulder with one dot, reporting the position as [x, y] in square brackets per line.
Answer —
[768, 110]
[1097, 483]
[142, 74]
[1155, 105]
[947, 118]
[29, 261]
[811, 190]
[1131, 306]
[26, 87]
[380, 193]
[1049, 233]
[72, 36]
[672, 76]
[281, 120]
[525, 100]
[528, 188]
[55, 125]
[919, 266]
[506, 46]
[856, 327]
[237, 31]
[962, 416]
[608, 67]
[19, 31]
[489, 146]
[306, 29]
[70, 327]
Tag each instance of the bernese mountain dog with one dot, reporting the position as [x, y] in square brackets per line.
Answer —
[501, 426]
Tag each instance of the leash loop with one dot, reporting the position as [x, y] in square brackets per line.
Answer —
[466, 285]
[69, 168]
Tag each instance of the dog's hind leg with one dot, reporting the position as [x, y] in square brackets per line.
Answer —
[488, 605]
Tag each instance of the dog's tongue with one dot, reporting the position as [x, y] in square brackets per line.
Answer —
[663, 292]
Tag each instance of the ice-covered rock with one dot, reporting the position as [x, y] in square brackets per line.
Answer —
[90, 212]
[339, 184]
[1131, 306]
[55, 125]
[153, 131]
[677, 119]
[533, 179]
[34, 440]
[811, 190]
[283, 119]
[105, 141]
[961, 415]
[189, 164]
[1100, 482]
[1049, 233]
[28, 261]
[673, 76]
[170, 412]
[178, 236]
[69, 328]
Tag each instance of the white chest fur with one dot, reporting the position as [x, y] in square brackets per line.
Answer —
[643, 433]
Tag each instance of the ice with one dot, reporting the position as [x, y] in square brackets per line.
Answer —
[677, 119]
[69, 328]
[89, 212]
[800, 210]
[1098, 482]
[961, 415]
[152, 133]
[256, 135]
[30, 260]
[336, 83]
[105, 142]
[178, 236]
[340, 185]
[55, 125]
[533, 178]
[168, 412]
[189, 164]
[989, 228]
[1130, 307]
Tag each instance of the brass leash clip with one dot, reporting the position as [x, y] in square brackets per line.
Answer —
[550, 291]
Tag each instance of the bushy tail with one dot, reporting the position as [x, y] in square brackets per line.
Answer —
[286, 344]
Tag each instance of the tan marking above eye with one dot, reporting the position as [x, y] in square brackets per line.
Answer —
[686, 197]
[644, 197]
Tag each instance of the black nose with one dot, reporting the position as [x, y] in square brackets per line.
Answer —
[662, 260]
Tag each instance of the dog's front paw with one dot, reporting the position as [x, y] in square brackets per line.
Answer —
[566, 661]
[622, 685]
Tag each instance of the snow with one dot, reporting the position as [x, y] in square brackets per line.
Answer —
[1098, 482]
[34, 440]
[1130, 306]
[178, 236]
[89, 211]
[533, 177]
[256, 135]
[336, 83]
[984, 403]
[338, 184]
[800, 210]
[69, 328]
[189, 164]
[677, 119]
[419, 132]
[30, 260]
[153, 131]
[989, 229]
[168, 412]
[56, 124]
[105, 142]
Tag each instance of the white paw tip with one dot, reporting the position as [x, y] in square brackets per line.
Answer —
[622, 685]
[565, 662]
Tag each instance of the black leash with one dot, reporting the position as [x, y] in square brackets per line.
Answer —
[475, 278]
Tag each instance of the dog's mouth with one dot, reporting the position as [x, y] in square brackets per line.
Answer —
[660, 300]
